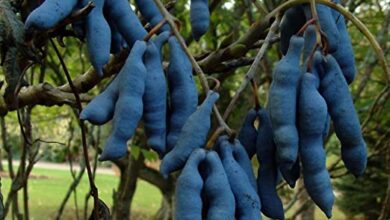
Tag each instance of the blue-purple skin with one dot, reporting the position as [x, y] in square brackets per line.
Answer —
[154, 99]
[327, 23]
[151, 13]
[49, 14]
[129, 106]
[192, 136]
[98, 34]
[216, 189]
[248, 133]
[247, 201]
[267, 179]
[182, 90]
[101, 109]
[334, 89]
[291, 175]
[116, 38]
[188, 204]
[160, 40]
[199, 18]
[127, 22]
[292, 21]
[344, 55]
[312, 116]
[282, 105]
[310, 36]
[242, 158]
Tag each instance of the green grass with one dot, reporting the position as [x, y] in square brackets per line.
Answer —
[49, 188]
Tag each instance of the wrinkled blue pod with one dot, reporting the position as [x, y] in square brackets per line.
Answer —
[282, 104]
[101, 109]
[248, 133]
[160, 40]
[182, 90]
[245, 162]
[116, 38]
[49, 14]
[267, 179]
[292, 21]
[199, 18]
[98, 36]
[150, 11]
[312, 116]
[219, 196]
[309, 47]
[192, 136]
[127, 22]
[247, 201]
[154, 99]
[344, 55]
[327, 23]
[188, 204]
[129, 106]
[346, 123]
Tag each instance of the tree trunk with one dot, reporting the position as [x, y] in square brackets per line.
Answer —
[123, 196]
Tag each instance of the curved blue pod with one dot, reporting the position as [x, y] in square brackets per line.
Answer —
[346, 123]
[245, 162]
[267, 179]
[282, 104]
[116, 38]
[216, 189]
[127, 22]
[327, 23]
[49, 14]
[101, 109]
[291, 175]
[192, 136]
[182, 90]
[247, 201]
[155, 100]
[310, 36]
[312, 114]
[98, 35]
[188, 204]
[248, 133]
[150, 11]
[292, 21]
[344, 55]
[129, 106]
[160, 40]
[199, 18]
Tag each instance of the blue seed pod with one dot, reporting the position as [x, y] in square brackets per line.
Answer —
[312, 114]
[129, 106]
[151, 13]
[154, 99]
[309, 47]
[199, 18]
[182, 90]
[327, 23]
[188, 204]
[248, 133]
[98, 36]
[101, 109]
[116, 38]
[127, 22]
[219, 196]
[346, 123]
[160, 40]
[49, 14]
[192, 136]
[282, 104]
[292, 21]
[291, 175]
[344, 55]
[267, 179]
[247, 201]
[245, 162]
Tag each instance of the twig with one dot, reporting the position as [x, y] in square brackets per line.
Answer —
[197, 68]
[255, 68]
[93, 188]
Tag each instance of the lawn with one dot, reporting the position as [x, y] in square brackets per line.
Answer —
[49, 187]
